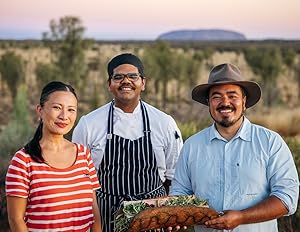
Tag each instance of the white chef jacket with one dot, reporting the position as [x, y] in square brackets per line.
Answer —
[166, 138]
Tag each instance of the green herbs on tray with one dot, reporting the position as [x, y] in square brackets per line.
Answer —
[130, 209]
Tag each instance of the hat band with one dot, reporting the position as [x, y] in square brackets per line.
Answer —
[223, 80]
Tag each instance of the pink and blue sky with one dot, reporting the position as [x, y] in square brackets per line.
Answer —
[147, 19]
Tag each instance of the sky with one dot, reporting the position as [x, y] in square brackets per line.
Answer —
[147, 19]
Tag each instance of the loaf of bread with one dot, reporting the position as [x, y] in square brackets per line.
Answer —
[165, 216]
[163, 212]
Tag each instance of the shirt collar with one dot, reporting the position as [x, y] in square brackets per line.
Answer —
[244, 132]
[136, 110]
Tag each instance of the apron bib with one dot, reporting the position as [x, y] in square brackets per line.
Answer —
[128, 171]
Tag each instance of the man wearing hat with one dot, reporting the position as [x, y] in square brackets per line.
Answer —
[134, 146]
[245, 171]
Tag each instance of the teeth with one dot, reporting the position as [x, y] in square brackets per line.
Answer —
[226, 111]
[126, 88]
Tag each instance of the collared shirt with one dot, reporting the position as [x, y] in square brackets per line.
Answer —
[91, 131]
[233, 175]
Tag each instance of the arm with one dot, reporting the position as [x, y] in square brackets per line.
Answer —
[173, 145]
[181, 184]
[284, 191]
[17, 187]
[97, 224]
[16, 207]
[95, 185]
[269, 209]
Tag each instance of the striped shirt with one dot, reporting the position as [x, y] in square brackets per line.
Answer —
[58, 199]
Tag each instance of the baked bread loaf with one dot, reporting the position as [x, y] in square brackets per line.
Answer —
[163, 217]
[138, 216]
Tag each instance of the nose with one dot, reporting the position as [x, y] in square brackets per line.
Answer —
[225, 100]
[63, 114]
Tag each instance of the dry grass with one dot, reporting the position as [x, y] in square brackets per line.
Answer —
[285, 121]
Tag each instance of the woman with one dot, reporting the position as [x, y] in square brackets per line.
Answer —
[51, 182]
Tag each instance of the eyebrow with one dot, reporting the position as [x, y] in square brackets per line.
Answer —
[56, 103]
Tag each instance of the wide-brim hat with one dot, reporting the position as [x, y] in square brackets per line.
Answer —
[227, 74]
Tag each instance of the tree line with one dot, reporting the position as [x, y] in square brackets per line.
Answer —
[164, 62]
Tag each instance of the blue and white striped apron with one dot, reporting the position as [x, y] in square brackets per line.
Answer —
[128, 171]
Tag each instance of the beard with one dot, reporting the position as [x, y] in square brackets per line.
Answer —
[226, 121]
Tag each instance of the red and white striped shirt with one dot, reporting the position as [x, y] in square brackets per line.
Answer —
[58, 199]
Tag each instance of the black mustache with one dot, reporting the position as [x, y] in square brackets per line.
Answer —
[126, 85]
[226, 108]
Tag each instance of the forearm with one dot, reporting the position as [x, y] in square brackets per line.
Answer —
[269, 209]
[16, 211]
[97, 224]
[97, 221]
[17, 225]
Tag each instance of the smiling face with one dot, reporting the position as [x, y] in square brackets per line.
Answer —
[227, 105]
[58, 113]
[126, 92]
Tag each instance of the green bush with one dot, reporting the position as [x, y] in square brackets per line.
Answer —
[294, 220]
[19, 129]
[191, 128]
[12, 71]
[15, 135]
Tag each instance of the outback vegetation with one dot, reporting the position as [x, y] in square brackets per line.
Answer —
[172, 70]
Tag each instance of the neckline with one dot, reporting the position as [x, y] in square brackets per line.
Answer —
[66, 168]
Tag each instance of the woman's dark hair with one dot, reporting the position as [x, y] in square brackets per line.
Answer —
[33, 148]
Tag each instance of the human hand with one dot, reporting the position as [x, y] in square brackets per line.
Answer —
[227, 220]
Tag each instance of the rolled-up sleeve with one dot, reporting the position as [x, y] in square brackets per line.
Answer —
[282, 174]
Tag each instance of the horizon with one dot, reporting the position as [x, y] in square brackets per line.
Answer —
[133, 20]
[36, 36]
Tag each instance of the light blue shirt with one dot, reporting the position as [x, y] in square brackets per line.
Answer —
[233, 175]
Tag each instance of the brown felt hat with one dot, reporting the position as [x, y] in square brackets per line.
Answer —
[227, 74]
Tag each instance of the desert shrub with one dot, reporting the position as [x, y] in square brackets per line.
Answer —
[15, 135]
[19, 128]
[45, 73]
[3, 214]
[276, 119]
[66, 41]
[12, 71]
[191, 128]
[292, 223]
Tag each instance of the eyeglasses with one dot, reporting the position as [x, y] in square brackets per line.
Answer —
[118, 77]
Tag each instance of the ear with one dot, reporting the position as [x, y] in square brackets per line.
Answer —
[244, 102]
[38, 109]
[143, 83]
[108, 84]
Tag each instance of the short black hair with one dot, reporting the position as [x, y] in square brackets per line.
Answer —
[125, 58]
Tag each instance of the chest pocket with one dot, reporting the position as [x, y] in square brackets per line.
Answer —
[252, 175]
